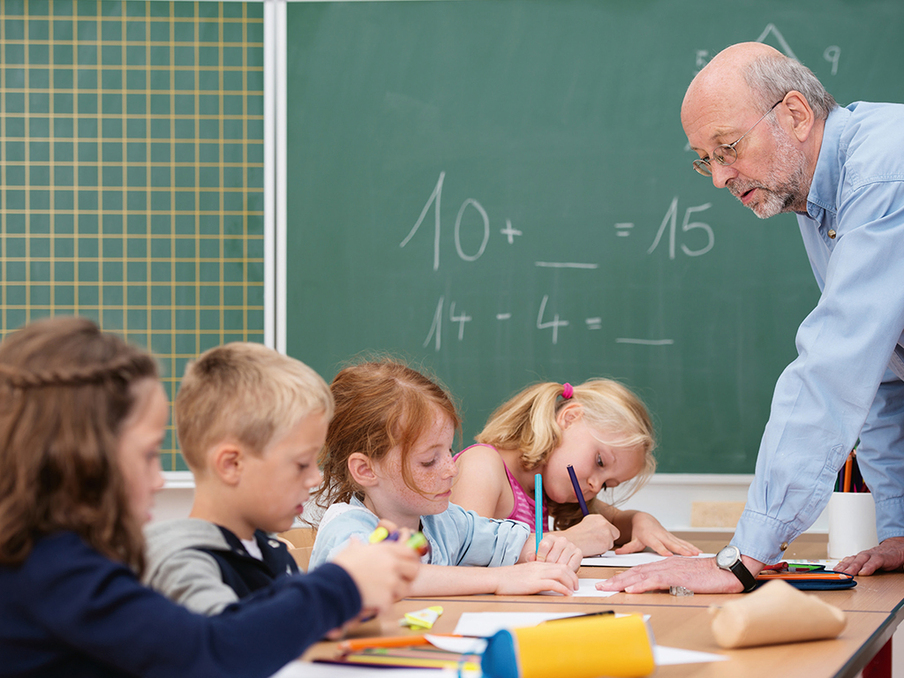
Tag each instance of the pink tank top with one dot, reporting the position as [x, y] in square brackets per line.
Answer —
[524, 508]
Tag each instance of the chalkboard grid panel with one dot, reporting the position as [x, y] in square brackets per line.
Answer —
[131, 172]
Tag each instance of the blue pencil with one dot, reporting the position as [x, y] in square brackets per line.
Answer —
[538, 507]
[577, 490]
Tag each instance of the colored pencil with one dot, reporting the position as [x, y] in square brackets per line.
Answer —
[538, 507]
[357, 644]
[577, 489]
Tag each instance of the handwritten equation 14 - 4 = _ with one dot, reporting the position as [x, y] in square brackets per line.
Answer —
[668, 230]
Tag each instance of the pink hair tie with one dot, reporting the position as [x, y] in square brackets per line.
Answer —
[567, 390]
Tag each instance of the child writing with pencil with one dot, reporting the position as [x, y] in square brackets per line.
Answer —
[82, 417]
[582, 440]
[388, 456]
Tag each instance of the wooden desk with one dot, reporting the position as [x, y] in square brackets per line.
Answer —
[874, 608]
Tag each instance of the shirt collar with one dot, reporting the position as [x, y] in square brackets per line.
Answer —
[824, 186]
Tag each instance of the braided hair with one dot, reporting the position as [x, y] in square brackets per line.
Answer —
[65, 391]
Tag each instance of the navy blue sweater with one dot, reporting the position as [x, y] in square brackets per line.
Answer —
[70, 611]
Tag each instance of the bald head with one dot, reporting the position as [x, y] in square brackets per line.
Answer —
[753, 76]
[725, 73]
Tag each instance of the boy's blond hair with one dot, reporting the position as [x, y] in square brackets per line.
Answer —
[247, 393]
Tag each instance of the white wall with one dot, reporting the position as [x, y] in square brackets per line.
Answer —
[668, 496]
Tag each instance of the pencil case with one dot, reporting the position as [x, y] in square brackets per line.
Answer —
[810, 580]
[618, 647]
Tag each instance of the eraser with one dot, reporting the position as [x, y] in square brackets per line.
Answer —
[422, 619]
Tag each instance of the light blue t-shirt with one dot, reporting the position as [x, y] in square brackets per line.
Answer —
[456, 536]
[846, 381]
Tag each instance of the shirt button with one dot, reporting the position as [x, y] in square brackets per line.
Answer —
[784, 546]
[832, 233]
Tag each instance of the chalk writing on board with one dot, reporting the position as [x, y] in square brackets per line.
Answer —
[545, 321]
[564, 264]
[510, 232]
[623, 229]
[645, 342]
[554, 324]
[670, 222]
[435, 200]
[696, 233]
[777, 34]
[831, 54]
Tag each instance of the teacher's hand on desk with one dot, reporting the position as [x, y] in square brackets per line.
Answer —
[700, 575]
[889, 555]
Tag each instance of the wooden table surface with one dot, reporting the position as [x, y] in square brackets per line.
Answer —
[874, 608]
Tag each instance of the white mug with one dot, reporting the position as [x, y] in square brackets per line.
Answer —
[852, 524]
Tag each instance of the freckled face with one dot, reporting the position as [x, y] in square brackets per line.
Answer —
[597, 465]
[432, 470]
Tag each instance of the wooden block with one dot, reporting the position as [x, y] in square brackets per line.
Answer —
[716, 513]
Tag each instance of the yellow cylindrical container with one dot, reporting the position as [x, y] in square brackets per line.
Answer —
[583, 647]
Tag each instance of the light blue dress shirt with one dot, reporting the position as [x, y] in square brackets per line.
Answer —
[456, 536]
[846, 381]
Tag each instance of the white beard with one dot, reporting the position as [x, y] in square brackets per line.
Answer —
[780, 194]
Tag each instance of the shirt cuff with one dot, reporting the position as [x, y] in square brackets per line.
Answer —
[761, 537]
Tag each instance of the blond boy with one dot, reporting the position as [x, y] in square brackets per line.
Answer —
[250, 423]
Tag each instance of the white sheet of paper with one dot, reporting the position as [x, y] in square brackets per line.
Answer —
[612, 559]
[455, 644]
[485, 624]
[664, 656]
[298, 669]
[586, 589]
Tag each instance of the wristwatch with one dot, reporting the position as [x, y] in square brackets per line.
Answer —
[729, 559]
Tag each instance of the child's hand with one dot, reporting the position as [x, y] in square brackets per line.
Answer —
[529, 578]
[554, 548]
[647, 531]
[593, 535]
[382, 572]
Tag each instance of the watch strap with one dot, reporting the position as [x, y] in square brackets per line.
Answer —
[739, 570]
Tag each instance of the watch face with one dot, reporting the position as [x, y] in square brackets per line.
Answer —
[727, 557]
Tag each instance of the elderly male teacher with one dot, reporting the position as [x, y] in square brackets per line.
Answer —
[766, 129]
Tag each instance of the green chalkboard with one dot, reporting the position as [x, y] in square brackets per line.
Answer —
[501, 192]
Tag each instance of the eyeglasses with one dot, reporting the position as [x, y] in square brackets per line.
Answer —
[726, 154]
